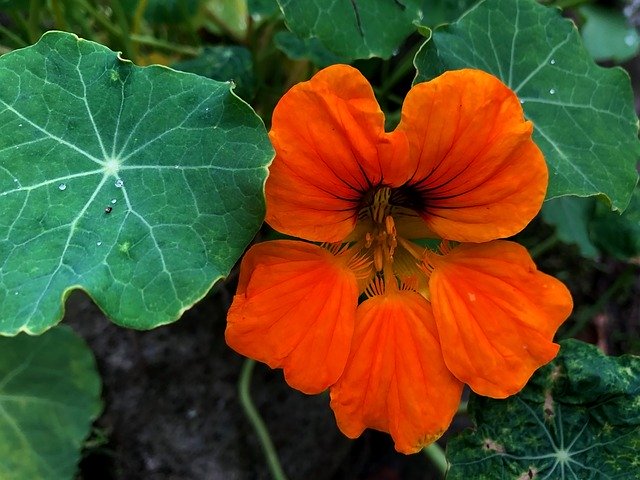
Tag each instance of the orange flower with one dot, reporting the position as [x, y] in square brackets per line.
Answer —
[460, 166]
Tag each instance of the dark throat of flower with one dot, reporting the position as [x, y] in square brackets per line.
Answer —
[396, 261]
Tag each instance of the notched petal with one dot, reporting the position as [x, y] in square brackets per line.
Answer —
[294, 309]
[496, 315]
[395, 379]
[331, 148]
[478, 175]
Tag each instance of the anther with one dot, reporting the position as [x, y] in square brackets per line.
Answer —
[390, 226]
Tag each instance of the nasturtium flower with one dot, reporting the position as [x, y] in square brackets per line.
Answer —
[393, 329]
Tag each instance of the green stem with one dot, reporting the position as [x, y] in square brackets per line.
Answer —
[463, 407]
[169, 46]
[60, 21]
[403, 68]
[101, 19]
[33, 24]
[19, 43]
[547, 244]
[123, 23]
[256, 421]
[435, 453]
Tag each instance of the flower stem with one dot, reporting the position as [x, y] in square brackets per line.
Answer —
[256, 421]
[542, 247]
[435, 453]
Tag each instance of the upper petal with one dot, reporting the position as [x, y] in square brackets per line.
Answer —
[295, 309]
[395, 379]
[331, 148]
[477, 171]
[496, 315]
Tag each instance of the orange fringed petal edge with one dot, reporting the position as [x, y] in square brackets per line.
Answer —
[294, 309]
[331, 148]
[395, 379]
[476, 166]
[496, 315]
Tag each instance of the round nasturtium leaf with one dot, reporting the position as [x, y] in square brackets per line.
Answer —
[141, 186]
[49, 396]
[354, 28]
[583, 114]
[577, 418]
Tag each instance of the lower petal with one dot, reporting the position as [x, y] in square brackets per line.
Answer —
[294, 309]
[395, 379]
[496, 315]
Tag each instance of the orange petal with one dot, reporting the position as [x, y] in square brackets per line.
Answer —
[496, 315]
[478, 174]
[395, 379]
[331, 149]
[294, 309]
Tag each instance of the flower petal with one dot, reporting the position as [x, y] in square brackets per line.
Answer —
[496, 315]
[395, 379]
[478, 174]
[331, 148]
[294, 309]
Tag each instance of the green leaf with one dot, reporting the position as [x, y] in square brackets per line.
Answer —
[263, 8]
[353, 28]
[141, 186]
[170, 11]
[578, 418]
[226, 18]
[224, 63]
[437, 12]
[584, 116]
[49, 396]
[310, 48]
[571, 217]
[619, 235]
[607, 35]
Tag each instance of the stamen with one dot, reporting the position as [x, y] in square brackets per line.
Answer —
[416, 251]
[378, 259]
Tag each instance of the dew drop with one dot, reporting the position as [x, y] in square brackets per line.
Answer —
[15, 293]
[119, 183]
[98, 243]
[62, 186]
[113, 201]
[630, 40]
[15, 180]
[522, 102]
[552, 91]
[19, 124]
[553, 61]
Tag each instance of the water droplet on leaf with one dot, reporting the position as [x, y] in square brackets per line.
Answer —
[552, 91]
[62, 186]
[98, 243]
[113, 201]
[630, 40]
[119, 183]
[553, 61]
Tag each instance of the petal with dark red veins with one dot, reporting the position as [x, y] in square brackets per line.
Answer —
[395, 379]
[295, 309]
[496, 315]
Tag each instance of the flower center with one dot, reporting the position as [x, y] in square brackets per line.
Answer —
[382, 236]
